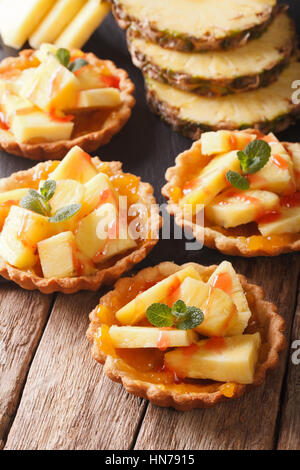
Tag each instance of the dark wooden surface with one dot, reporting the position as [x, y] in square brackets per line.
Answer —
[54, 396]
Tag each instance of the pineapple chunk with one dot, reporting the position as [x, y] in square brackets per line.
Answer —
[57, 19]
[277, 175]
[77, 165]
[67, 192]
[225, 278]
[89, 77]
[53, 86]
[234, 207]
[83, 25]
[95, 229]
[21, 232]
[163, 291]
[220, 313]
[294, 151]
[115, 247]
[144, 337]
[99, 98]
[224, 141]
[8, 199]
[98, 190]
[45, 51]
[231, 359]
[211, 180]
[58, 255]
[287, 222]
[20, 18]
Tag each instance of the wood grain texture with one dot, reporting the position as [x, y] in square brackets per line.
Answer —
[289, 425]
[246, 423]
[67, 403]
[22, 318]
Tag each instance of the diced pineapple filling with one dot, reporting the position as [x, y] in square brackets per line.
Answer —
[40, 103]
[67, 227]
[226, 354]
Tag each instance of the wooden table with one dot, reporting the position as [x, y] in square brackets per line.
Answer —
[53, 395]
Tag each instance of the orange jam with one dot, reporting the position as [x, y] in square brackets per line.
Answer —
[280, 162]
[104, 341]
[291, 201]
[111, 81]
[223, 281]
[228, 389]
[55, 116]
[3, 123]
[176, 193]
[127, 185]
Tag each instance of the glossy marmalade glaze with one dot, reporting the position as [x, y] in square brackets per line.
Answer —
[148, 364]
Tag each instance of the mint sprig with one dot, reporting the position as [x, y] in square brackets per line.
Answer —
[38, 201]
[64, 57]
[179, 316]
[237, 180]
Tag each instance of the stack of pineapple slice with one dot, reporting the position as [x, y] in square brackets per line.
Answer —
[66, 23]
[214, 64]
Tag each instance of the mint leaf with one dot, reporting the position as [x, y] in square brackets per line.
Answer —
[48, 189]
[194, 317]
[65, 213]
[77, 64]
[179, 309]
[255, 156]
[237, 180]
[160, 315]
[63, 56]
[33, 203]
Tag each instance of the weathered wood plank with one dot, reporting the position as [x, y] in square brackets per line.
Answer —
[247, 423]
[289, 427]
[23, 315]
[67, 403]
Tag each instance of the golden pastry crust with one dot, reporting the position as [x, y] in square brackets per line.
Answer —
[112, 269]
[211, 236]
[87, 133]
[264, 319]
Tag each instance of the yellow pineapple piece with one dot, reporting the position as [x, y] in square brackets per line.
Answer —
[211, 180]
[22, 230]
[288, 222]
[89, 77]
[234, 207]
[115, 247]
[77, 165]
[224, 141]
[225, 278]
[294, 151]
[164, 291]
[54, 23]
[230, 359]
[97, 191]
[145, 337]
[67, 192]
[99, 98]
[220, 313]
[45, 51]
[8, 199]
[20, 18]
[83, 25]
[53, 86]
[58, 256]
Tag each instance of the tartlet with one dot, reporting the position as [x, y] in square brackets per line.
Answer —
[65, 255]
[258, 220]
[147, 374]
[91, 127]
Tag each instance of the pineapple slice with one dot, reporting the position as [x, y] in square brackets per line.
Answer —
[294, 151]
[77, 165]
[8, 199]
[21, 232]
[164, 291]
[58, 256]
[97, 191]
[57, 19]
[95, 229]
[145, 337]
[224, 141]
[29, 124]
[231, 359]
[20, 18]
[288, 221]
[53, 86]
[83, 25]
[67, 192]
[277, 175]
[225, 278]
[220, 313]
[99, 98]
[234, 207]
[115, 247]
[211, 180]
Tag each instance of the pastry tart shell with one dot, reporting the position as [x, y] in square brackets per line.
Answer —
[87, 133]
[111, 270]
[265, 319]
[216, 237]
